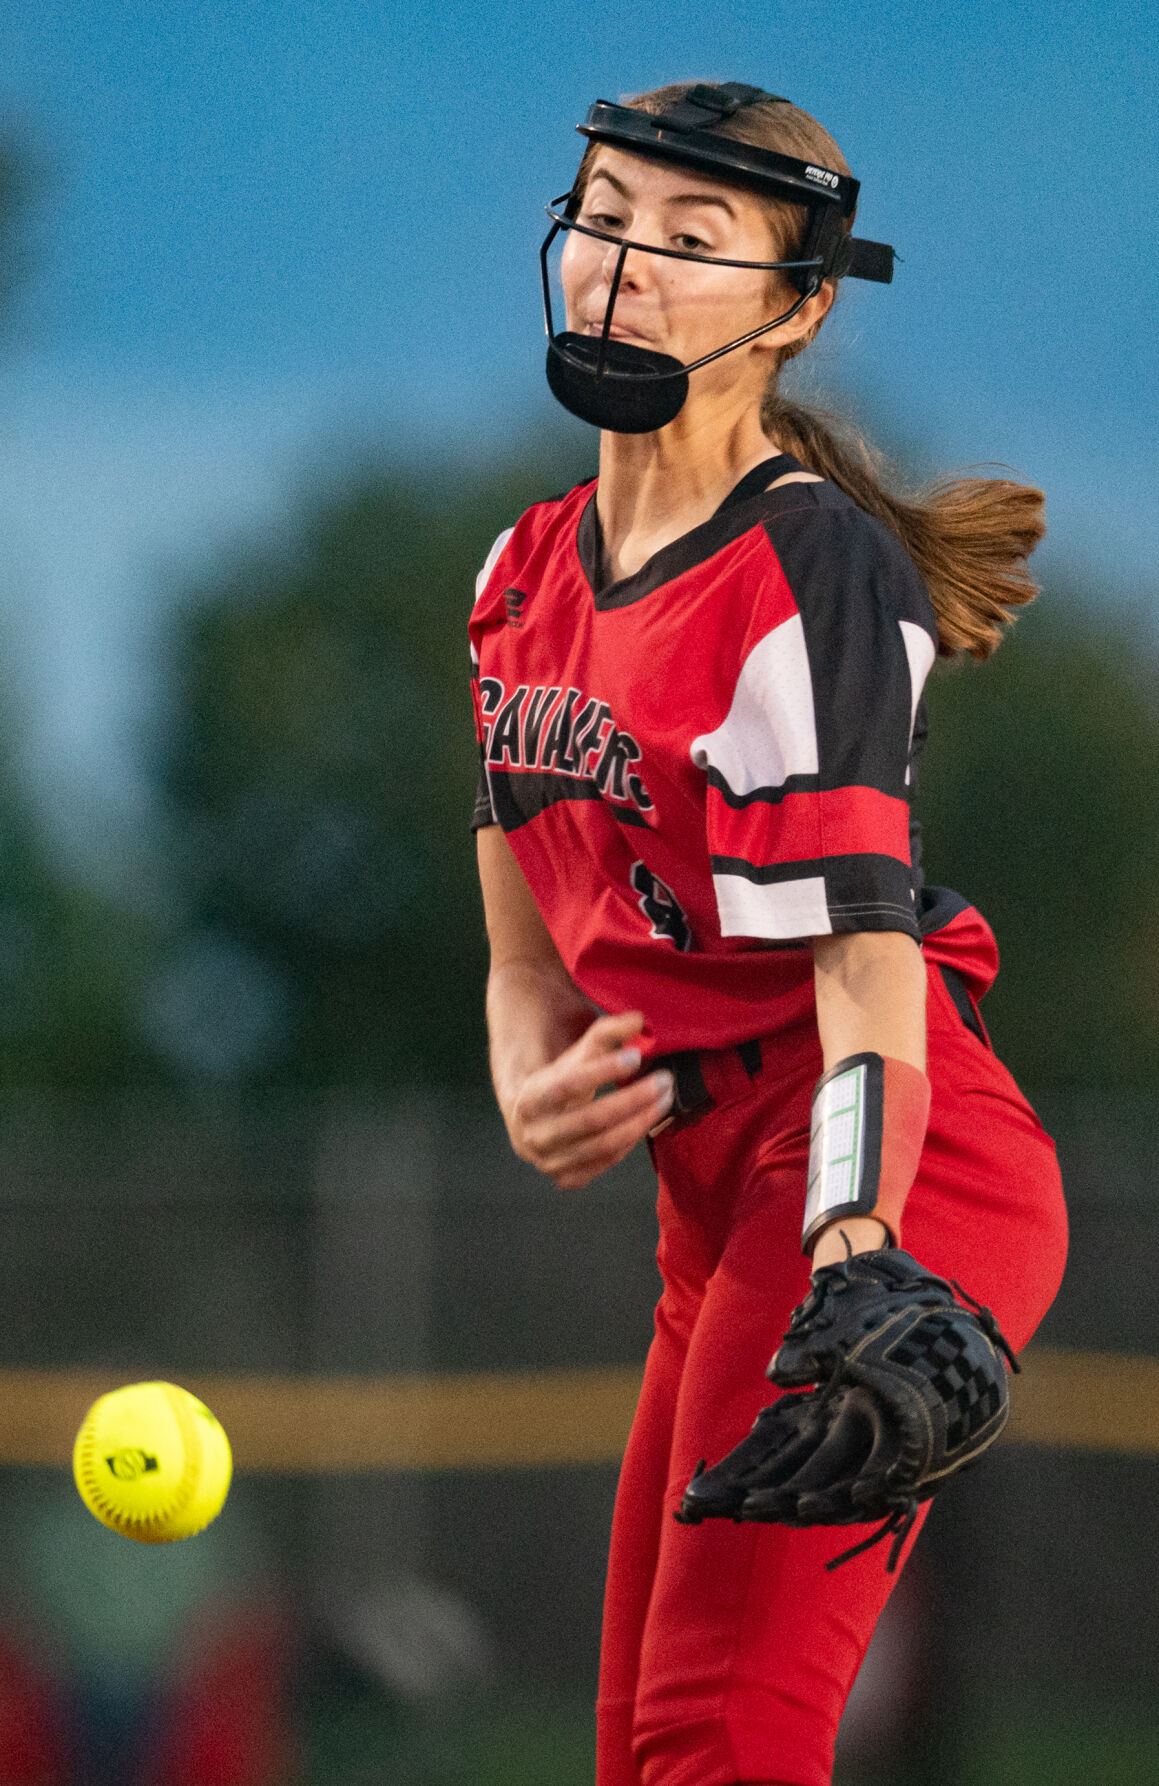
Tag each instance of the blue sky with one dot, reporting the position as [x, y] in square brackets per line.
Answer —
[269, 229]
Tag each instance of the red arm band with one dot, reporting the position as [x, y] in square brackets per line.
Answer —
[868, 1129]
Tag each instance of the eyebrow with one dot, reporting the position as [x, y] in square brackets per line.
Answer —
[679, 198]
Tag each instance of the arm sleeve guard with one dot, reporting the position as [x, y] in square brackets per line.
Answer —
[866, 1137]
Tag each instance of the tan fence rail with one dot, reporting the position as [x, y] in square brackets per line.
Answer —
[338, 1425]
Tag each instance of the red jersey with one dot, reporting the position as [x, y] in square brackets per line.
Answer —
[706, 764]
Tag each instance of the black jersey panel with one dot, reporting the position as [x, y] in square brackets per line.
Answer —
[517, 797]
[483, 814]
[854, 586]
[771, 796]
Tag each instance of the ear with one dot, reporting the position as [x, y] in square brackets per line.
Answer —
[804, 325]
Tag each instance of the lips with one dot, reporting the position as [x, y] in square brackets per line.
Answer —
[619, 334]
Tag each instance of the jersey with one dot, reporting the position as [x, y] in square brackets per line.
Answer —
[706, 764]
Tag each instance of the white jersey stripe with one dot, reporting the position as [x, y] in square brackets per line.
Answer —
[770, 732]
[920, 652]
[484, 576]
[782, 911]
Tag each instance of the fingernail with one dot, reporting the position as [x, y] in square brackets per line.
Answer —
[630, 1059]
[665, 1089]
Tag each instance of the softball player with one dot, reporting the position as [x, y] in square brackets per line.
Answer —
[698, 689]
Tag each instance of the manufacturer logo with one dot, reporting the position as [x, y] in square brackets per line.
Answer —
[128, 1465]
[822, 176]
[513, 600]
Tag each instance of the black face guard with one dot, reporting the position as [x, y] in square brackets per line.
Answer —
[635, 390]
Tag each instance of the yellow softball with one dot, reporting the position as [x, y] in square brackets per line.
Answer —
[152, 1462]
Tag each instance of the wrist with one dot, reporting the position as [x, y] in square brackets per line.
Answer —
[867, 1132]
[865, 1234]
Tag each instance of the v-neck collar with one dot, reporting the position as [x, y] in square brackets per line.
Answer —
[680, 554]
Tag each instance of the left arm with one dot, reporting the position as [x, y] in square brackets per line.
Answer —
[871, 997]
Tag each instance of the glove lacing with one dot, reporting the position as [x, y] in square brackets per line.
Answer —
[899, 1524]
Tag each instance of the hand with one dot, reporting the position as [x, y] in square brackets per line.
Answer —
[558, 1124]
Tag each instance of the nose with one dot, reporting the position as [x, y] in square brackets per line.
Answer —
[625, 269]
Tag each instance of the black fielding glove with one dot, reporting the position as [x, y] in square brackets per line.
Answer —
[913, 1388]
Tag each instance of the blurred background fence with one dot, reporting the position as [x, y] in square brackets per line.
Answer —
[427, 1360]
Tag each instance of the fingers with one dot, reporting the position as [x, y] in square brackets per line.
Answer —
[586, 1161]
[601, 1130]
[581, 1123]
[607, 1137]
[571, 1081]
[560, 1125]
[598, 1058]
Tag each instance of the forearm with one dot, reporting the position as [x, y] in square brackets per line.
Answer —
[534, 1012]
[552, 1051]
[871, 996]
[871, 999]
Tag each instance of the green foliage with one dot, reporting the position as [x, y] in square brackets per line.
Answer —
[70, 963]
[321, 771]
[68, 970]
[509, 1738]
[1040, 800]
[1067, 1745]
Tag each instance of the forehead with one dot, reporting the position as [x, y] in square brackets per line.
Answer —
[647, 178]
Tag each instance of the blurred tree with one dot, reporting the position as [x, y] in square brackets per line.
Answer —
[319, 769]
[68, 968]
[1040, 800]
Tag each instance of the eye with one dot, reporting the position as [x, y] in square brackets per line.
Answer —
[691, 244]
[605, 220]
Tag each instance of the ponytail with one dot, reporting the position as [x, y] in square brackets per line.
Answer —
[969, 537]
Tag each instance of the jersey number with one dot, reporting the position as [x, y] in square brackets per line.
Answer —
[661, 907]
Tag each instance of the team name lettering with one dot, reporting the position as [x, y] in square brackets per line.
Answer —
[558, 731]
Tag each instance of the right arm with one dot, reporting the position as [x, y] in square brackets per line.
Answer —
[551, 1049]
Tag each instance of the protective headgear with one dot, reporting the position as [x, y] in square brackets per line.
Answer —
[633, 390]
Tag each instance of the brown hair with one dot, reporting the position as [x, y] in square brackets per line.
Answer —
[969, 537]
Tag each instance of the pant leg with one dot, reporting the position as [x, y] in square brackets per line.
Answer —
[749, 1646]
[987, 1207]
[640, 1496]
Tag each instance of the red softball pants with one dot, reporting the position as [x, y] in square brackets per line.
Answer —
[728, 1650]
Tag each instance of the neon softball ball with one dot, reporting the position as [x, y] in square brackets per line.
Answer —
[152, 1462]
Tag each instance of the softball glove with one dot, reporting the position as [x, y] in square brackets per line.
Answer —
[911, 1388]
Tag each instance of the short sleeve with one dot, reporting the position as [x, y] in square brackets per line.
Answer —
[483, 813]
[809, 773]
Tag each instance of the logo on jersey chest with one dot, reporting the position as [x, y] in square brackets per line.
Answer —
[563, 733]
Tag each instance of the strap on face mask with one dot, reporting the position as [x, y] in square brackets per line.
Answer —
[705, 105]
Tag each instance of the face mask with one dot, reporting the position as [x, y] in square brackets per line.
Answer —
[634, 390]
